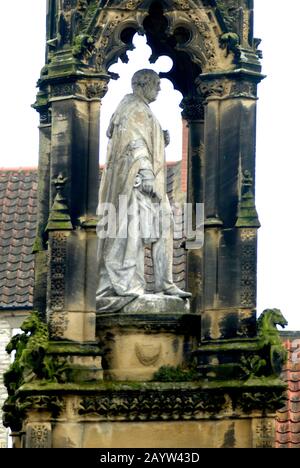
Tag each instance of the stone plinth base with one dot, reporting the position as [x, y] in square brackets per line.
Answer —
[235, 433]
[150, 415]
[151, 332]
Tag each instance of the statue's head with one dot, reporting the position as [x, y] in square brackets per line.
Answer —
[146, 83]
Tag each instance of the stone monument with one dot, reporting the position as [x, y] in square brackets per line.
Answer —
[134, 185]
[127, 369]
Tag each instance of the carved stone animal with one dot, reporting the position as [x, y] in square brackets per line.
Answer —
[269, 338]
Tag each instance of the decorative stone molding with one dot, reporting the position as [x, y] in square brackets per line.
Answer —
[153, 401]
[57, 317]
[95, 89]
[14, 414]
[226, 87]
[65, 89]
[51, 404]
[243, 89]
[152, 405]
[263, 401]
[213, 88]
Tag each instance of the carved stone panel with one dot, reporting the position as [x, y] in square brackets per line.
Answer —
[58, 243]
[248, 267]
[38, 436]
[264, 433]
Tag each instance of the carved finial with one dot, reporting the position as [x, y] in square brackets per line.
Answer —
[247, 183]
[59, 219]
[60, 182]
[247, 214]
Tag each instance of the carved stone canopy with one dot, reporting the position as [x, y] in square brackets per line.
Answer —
[200, 36]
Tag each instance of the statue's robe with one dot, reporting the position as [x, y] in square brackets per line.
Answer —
[136, 143]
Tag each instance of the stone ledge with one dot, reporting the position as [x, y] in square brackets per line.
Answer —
[153, 401]
[153, 313]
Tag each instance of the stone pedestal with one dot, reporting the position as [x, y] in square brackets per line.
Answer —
[151, 332]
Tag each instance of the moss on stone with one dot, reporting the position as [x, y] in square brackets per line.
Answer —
[82, 43]
[175, 374]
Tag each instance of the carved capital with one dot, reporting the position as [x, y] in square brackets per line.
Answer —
[42, 106]
[85, 88]
[212, 88]
[193, 108]
[227, 86]
[243, 88]
[64, 89]
[97, 89]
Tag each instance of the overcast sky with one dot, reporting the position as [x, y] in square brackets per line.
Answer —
[278, 164]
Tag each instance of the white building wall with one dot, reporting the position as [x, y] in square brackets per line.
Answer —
[5, 335]
[10, 324]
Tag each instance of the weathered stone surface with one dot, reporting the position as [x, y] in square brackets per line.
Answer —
[151, 332]
[157, 304]
[134, 184]
[153, 414]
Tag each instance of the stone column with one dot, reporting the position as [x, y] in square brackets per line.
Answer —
[40, 245]
[193, 113]
[230, 132]
[70, 178]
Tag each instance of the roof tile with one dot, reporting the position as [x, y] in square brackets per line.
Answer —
[288, 418]
[18, 217]
[18, 213]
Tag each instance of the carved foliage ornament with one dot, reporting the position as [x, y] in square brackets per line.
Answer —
[152, 406]
[212, 88]
[224, 87]
[134, 4]
[193, 108]
[205, 37]
[244, 89]
[101, 45]
[76, 22]
[264, 401]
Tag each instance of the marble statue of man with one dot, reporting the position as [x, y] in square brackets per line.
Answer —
[134, 183]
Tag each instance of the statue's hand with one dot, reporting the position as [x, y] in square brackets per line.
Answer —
[148, 186]
[167, 137]
[147, 181]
